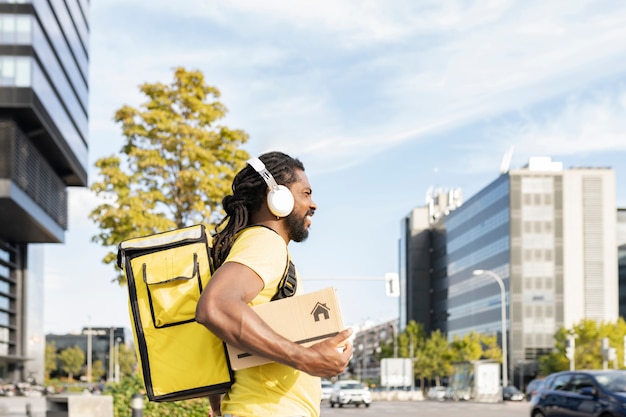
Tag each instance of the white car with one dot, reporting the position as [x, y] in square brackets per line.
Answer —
[350, 392]
[437, 393]
[327, 389]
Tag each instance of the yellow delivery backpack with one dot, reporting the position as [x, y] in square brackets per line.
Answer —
[166, 273]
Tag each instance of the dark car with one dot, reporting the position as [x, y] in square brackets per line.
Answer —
[581, 393]
[532, 387]
[512, 393]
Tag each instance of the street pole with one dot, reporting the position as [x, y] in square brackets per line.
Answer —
[111, 354]
[89, 355]
[495, 276]
[395, 339]
[117, 359]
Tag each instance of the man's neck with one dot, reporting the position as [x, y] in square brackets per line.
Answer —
[277, 225]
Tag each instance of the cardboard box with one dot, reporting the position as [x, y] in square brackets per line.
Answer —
[305, 319]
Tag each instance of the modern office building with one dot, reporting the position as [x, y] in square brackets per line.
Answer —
[43, 149]
[621, 256]
[548, 233]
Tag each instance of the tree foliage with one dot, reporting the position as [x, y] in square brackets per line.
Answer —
[588, 335]
[51, 358]
[433, 355]
[123, 392]
[127, 359]
[467, 348]
[97, 370]
[72, 360]
[175, 165]
[434, 360]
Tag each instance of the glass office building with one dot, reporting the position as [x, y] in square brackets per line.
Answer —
[548, 233]
[43, 149]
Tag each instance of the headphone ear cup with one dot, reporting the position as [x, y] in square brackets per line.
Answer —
[280, 201]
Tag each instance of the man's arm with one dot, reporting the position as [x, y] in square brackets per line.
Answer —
[223, 308]
[216, 405]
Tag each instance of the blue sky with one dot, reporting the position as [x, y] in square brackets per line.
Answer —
[380, 100]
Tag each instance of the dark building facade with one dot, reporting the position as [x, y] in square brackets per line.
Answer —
[103, 342]
[43, 149]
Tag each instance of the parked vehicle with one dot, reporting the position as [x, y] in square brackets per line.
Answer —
[512, 393]
[437, 393]
[350, 392]
[581, 393]
[532, 387]
[457, 395]
[327, 389]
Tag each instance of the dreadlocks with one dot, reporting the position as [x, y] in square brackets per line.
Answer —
[249, 192]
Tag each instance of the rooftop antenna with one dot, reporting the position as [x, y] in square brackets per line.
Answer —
[506, 160]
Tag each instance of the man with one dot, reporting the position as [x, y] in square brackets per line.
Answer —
[250, 255]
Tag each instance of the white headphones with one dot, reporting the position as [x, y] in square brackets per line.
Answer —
[279, 198]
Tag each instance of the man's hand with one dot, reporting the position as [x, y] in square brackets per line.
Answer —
[331, 356]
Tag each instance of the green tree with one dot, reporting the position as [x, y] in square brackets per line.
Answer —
[72, 360]
[490, 347]
[434, 360]
[411, 339]
[411, 342]
[97, 370]
[128, 360]
[51, 359]
[466, 348]
[588, 335]
[178, 163]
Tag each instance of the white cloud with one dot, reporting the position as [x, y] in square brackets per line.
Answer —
[584, 124]
[289, 70]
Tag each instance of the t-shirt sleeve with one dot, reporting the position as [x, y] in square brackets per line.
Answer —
[263, 251]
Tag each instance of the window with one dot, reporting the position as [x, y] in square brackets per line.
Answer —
[547, 199]
[561, 383]
[581, 381]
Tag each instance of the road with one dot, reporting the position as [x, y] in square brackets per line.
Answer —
[431, 409]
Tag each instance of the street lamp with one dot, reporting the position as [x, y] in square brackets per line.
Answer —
[89, 354]
[495, 276]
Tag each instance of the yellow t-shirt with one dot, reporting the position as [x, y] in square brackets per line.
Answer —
[272, 389]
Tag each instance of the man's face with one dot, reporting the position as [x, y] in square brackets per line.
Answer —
[304, 207]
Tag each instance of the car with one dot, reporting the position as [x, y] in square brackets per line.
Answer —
[512, 393]
[453, 394]
[581, 393]
[327, 389]
[437, 393]
[532, 387]
[350, 392]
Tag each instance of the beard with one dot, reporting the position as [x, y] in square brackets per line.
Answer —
[298, 231]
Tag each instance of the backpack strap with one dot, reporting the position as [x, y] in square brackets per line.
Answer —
[288, 284]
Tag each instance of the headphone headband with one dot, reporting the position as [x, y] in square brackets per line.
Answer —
[259, 167]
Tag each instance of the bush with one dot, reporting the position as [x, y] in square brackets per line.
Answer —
[123, 391]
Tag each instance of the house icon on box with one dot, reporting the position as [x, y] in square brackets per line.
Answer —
[319, 310]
